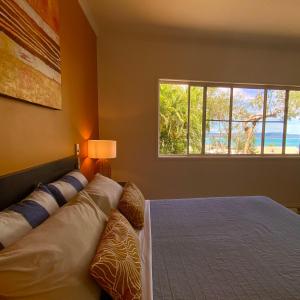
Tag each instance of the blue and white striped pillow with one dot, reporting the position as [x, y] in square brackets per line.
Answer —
[18, 219]
[67, 187]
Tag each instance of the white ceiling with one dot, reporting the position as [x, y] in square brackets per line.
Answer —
[273, 19]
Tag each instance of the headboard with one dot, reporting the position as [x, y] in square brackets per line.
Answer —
[16, 186]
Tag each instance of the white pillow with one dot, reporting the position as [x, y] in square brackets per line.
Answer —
[105, 192]
[19, 219]
[52, 261]
[67, 187]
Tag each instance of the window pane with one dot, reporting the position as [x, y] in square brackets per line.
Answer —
[274, 122]
[218, 103]
[173, 118]
[246, 138]
[247, 104]
[216, 139]
[273, 137]
[275, 105]
[293, 124]
[196, 108]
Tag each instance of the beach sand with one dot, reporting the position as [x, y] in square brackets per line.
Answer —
[278, 150]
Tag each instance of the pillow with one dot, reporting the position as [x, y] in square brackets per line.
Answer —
[18, 219]
[68, 186]
[132, 205]
[117, 264]
[105, 192]
[52, 261]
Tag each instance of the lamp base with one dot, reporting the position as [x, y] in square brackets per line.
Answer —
[103, 167]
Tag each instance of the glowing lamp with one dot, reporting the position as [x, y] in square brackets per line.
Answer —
[102, 150]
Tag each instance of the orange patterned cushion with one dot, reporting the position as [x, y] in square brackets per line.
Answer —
[117, 264]
[132, 205]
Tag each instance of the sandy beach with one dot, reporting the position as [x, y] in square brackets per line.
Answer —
[278, 150]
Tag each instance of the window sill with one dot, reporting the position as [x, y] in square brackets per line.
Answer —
[222, 156]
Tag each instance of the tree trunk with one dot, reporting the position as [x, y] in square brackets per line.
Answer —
[249, 133]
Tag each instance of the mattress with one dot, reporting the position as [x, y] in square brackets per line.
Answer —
[224, 248]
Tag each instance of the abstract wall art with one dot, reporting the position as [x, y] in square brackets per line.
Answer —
[30, 66]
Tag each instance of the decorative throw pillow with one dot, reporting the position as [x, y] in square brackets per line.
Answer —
[18, 219]
[117, 265]
[68, 186]
[52, 261]
[132, 205]
[105, 192]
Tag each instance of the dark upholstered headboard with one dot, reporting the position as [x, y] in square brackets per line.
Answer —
[16, 186]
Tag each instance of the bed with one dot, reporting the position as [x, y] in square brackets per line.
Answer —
[206, 248]
[224, 248]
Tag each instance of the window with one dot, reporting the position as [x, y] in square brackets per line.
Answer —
[219, 119]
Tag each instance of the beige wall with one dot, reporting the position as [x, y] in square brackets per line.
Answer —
[30, 134]
[130, 69]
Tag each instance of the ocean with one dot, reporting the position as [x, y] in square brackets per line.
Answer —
[271, 139]
[275, 139]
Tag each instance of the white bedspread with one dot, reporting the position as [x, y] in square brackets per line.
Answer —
[146, 255]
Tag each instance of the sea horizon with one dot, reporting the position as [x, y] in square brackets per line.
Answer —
[275, 139]
[271, 139]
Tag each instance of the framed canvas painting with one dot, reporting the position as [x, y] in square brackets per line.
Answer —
[30, 67]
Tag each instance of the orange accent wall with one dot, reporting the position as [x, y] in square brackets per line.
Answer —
[31, 135]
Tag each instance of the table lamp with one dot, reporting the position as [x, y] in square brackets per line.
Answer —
[102, 150]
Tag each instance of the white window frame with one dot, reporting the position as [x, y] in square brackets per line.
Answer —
[207, 84]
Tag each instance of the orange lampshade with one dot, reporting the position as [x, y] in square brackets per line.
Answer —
[102, 149]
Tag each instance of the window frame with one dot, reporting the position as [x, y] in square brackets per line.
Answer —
[205, 85]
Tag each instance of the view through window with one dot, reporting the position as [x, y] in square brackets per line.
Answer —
[212, 119]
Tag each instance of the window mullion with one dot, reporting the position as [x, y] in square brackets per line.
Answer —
[188, 120]
[286, 111]
[262, 150]
[204, 119]
[230, 120]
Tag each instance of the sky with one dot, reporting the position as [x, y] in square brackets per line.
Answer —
[293, 127]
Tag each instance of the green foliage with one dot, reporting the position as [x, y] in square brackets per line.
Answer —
[173, 118]
[196, 107]
[218, 103]
[294, 105]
